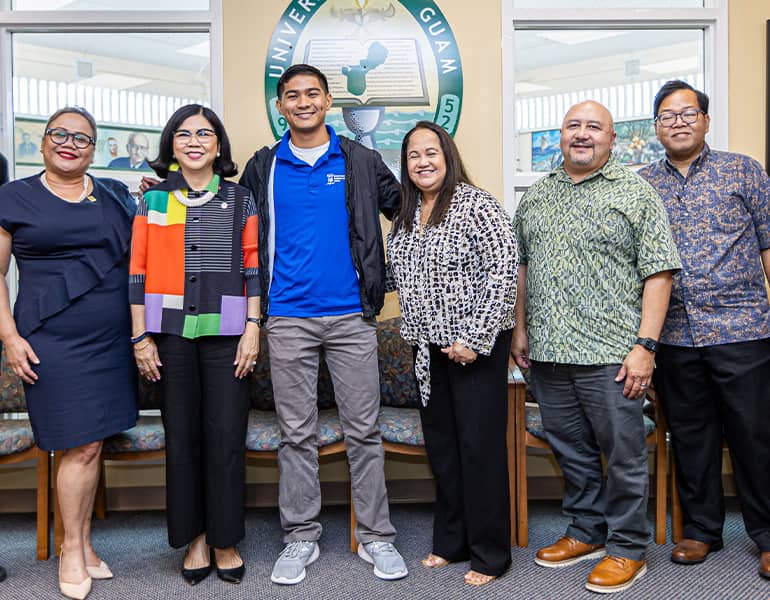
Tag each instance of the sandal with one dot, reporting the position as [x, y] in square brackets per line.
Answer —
[434, 561]
[475, 578]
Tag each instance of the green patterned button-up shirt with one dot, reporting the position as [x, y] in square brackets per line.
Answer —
[588, 248]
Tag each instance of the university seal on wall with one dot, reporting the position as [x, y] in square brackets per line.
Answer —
[389, 64]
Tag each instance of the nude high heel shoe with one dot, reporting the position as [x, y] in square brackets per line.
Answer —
[100, 572]
[76, 591]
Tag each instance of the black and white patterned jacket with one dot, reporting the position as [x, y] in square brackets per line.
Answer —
[456, 280]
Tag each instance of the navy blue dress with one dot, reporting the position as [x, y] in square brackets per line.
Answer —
[73, 308]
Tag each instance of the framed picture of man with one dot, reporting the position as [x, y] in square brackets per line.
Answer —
[117, 148]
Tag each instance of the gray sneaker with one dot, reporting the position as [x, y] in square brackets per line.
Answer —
[291, 563]
[387, 562]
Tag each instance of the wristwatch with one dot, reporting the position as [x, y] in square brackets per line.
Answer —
[648, 344]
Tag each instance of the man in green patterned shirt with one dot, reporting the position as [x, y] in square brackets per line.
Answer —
[597, 258]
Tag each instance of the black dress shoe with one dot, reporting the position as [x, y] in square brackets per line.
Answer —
[231, 575]
[234, 575]
[3, 574]
[195, 576]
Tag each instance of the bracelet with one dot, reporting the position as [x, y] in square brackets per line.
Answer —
[255, 320]
[142, 347]
[139, 338]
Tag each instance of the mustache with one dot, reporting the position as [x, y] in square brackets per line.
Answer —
[586, 143]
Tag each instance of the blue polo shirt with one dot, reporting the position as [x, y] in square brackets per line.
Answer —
[313, 272]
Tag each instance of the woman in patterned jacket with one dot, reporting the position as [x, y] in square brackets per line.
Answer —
[194, 294]
[453, 253]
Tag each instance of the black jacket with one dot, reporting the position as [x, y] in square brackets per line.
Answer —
[370, 188]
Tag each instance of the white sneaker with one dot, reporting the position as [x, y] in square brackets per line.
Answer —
[388, 563]
[290, 566]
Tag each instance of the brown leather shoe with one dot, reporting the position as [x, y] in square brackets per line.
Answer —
[567, 551]
[692, 552]
[764, 564]
[615, 574]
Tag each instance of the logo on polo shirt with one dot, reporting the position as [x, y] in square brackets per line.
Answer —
[331, 178]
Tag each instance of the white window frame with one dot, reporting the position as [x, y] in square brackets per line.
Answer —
[207, 21]
[712, 20]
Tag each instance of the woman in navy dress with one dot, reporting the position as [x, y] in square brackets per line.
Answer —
[68, 338]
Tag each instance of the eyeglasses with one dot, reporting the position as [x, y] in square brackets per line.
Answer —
[689, 116]
[185, 136]
[59, 136]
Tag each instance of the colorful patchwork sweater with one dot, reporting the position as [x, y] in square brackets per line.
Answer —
[194, 262]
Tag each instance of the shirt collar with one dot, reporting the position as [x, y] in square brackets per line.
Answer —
[610, 170]
[285, 153]
[177, 181]
[705, 151]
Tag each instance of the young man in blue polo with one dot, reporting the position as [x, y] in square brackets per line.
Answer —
[322, 271]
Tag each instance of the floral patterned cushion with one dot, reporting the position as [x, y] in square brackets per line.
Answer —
[11, 390]
[535, 423]
[148, 434]
[264, 435]
[401, 426]
[398, 386]
[15, 436]
[262, 385]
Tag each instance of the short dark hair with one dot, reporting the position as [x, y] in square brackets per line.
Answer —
[301, 69]
[76, 110]
[223, 164]
[674, 86]
[455, 174]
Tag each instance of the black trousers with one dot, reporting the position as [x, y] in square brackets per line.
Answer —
[707, 393]
[464, 427]
[205, 413]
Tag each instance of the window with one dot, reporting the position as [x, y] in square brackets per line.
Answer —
[598, 4]
[562, 53]
[130, 77]
[93, 5]
[130, 82]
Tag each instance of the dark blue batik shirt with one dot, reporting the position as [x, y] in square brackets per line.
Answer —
[720, 220]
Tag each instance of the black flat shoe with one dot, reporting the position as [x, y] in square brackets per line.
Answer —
[234, 575]
[195, 576]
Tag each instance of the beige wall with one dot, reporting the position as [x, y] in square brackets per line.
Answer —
[249, 25]
[477, 27]
[747, 77]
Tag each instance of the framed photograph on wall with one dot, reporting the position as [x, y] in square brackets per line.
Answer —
[117, 148]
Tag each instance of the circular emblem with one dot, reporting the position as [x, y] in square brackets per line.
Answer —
[389, 64]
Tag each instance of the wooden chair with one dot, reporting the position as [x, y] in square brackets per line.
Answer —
[17, 445]
[529, 434]
[144, 442]
[16, 433]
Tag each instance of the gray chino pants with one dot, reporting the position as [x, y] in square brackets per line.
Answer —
[349, 344]
[586, 415]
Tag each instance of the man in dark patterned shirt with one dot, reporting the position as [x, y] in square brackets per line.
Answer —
[713, 370]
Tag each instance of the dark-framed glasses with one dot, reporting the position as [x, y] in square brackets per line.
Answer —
[185, 136]
[59, 136]
[689, 116]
